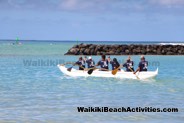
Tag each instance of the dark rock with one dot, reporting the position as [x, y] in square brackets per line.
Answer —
[76, 46]
[79, 54]
[127, 51]
[149, 53]
[169, 53]
[159, 52]
[98, 53]
[92, 52]
[87, 52]
[154, 51]
[111, 52]
[148, 49]
[83, 46]
[180, 51]
[163, 52]
[82, 50]
[92, 47]
[105, 48]
[73, 51]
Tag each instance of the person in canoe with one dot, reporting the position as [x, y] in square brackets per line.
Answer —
[103, 63]
[90, 62]
[81, 63]
[129, 65]
[143, 64]
[115, 64]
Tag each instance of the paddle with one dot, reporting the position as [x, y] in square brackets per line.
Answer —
[133, 72]
[90, 71]
[70, 68]
[115, 70]
[66, 63]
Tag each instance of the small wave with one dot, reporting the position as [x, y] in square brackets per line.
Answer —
[172, 44]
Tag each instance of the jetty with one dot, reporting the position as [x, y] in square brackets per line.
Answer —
[131, 49]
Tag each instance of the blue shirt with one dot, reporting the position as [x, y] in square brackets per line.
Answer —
[143, 65]
[114, 65]
[104, 64]
[90, 63]
[128, 65]
[81, 63]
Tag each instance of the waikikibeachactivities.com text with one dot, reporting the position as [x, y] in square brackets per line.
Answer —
[125, 109]
[55, 62]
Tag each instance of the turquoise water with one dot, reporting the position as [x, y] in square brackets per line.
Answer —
[41, 93]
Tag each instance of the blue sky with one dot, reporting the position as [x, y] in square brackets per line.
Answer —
[109, 20]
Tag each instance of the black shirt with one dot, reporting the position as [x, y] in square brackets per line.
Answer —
[143, 65]
[128, 65]
[81, 63]
[115, 65]
[103, 64]
[90, 63]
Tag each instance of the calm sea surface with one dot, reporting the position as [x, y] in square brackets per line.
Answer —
[32, 89]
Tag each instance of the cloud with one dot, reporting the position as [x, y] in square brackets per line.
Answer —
[96, 6]
[69, 4]
[86, 5]
[170, 3]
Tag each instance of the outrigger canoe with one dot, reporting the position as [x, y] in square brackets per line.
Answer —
[119, 74]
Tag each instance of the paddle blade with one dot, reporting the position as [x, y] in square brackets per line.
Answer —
[90, 71]
[115, 71]
[69, 69]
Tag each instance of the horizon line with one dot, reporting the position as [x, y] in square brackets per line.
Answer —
[88, 40]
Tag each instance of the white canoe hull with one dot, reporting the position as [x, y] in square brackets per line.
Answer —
[120, 74]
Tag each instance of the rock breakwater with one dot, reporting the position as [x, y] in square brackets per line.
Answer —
[132, 49]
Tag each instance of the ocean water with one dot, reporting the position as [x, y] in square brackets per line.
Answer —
[32, 89]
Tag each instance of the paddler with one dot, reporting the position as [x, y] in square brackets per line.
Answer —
[143, 64]
[90, 62]
[81, 63]
[103, 63]
[129, 65]
[115, 64]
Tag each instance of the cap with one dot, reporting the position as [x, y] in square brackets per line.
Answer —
[89, 57]
[142, 56]
[129, 57]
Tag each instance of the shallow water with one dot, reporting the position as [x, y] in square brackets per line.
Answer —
[33, 93]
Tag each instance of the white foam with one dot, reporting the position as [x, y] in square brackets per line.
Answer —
[172, 44]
